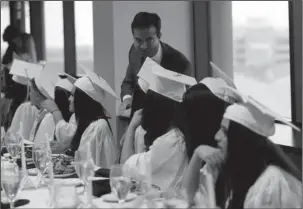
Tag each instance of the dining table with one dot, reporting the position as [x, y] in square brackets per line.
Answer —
[40, 197]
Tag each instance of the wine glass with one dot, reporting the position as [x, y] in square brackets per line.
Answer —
[120, 181]
[84, 166]
[13, 144]
[11, 178]
[41, 157]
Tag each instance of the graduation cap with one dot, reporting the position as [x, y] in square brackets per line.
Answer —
[66, 82]
[94, 85]
[255, 116]
[221, 89]
[218, 73]
[45, 85]
[22, 70]
[171, 84]
[146, 73]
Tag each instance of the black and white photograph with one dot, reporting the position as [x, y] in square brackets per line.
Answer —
[151, 104]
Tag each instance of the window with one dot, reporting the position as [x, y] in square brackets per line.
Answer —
[54, 36]
[84, 34]
[27, 17]
[5, 21]
[261, 52]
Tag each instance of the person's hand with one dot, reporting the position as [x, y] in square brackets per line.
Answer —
[49, 105]
[136, 120]
[126, 104]
[210, 155]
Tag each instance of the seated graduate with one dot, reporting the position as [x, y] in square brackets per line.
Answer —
[93, 126]
[59, 111]
[41, 89]
[249, 171]
[26, 113]
[66, 129]
[165, 154]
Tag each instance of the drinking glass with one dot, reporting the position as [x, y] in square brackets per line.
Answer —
[65, 196]
[13, 144]
[84, 166]
[11, 178]
[41, 157]
[120, 181]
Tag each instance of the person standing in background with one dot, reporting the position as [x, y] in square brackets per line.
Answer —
[146, 31]
[20, 46]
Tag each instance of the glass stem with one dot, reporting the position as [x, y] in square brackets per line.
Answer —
[121, 202]
[11, 204]
[88, 192]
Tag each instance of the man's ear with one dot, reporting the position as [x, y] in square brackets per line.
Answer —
[160, 35]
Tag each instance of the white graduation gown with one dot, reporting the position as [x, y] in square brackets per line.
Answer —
[36, 125]
[104, 149]
[65, 131]
[46, 129]
[25, 114]
[139, 140]
[275, 188]
[168, 160]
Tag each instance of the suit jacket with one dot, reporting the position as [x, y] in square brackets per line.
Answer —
[172, 60]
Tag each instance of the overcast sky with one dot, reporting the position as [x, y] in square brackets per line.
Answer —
[275, 11]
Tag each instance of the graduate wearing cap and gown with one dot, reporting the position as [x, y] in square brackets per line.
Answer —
[66, 130]
[258, 174]
[65, 124]
[41, 89]
[26, 113]
[97, 134]
[58, 145]
[166, 159]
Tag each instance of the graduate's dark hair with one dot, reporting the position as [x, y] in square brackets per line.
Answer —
[87, 111]
[159, 114]
[248, 155]
[202, 116]
[10, 32]
[61, 99]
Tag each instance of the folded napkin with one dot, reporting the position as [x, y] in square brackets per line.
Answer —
[102, 172]
[17, 203]
[101, 187]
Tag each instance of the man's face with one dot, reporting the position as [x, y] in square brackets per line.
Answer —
[146, 41]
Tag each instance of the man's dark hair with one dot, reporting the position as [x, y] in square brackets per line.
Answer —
[146, 20]
[10, 33]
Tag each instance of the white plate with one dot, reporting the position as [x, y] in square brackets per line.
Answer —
[32, 172]
[62, 175]
[27, 142]
[112, 198]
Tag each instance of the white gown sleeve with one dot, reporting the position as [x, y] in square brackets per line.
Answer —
[168, 160]
[46, 129]
[202, 194]
[104, 149]
[275, 189]
[139, 140]
[25, 114]
[65, 131]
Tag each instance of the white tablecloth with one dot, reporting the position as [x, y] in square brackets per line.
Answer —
[39, 198]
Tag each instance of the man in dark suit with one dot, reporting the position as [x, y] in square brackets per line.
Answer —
[146, 30]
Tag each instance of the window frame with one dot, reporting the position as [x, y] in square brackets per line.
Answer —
[203, 50]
